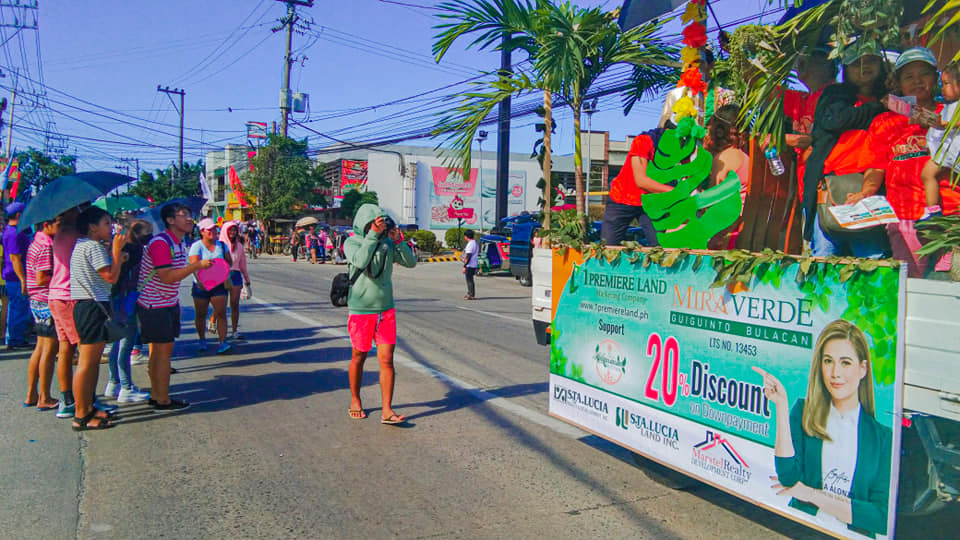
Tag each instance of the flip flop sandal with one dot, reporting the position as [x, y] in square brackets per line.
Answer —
[49, 407]
[356, 414]
[84, 423]
[393, 420]
[26, 404]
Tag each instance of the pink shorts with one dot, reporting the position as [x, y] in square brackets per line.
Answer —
[375, 327]
[62, 312]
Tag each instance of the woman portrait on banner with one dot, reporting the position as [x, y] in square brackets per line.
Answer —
[832, 456]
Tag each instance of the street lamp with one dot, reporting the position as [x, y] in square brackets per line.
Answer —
[589, 107]
[481, 136]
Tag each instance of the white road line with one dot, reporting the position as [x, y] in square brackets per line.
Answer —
[517, 319]
[479, 393]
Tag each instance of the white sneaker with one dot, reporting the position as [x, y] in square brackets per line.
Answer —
[139, 359]
[236, 336]
[111, 390]
[132, 395]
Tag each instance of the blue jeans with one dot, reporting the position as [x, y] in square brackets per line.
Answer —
[18, 314]
[119, 364]
[868, 244]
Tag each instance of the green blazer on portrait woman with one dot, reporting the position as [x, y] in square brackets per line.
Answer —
[870, 489]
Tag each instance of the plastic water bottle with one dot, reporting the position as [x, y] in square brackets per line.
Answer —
[776, 164]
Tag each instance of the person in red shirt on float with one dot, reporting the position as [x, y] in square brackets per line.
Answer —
[816, 71]
[895, 152]
[624, 204]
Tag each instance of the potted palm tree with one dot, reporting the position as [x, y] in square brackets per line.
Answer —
[942, 234]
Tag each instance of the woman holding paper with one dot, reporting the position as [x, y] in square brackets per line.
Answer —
[843, 113]
[895, 153]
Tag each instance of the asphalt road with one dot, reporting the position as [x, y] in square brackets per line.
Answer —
[268, 450]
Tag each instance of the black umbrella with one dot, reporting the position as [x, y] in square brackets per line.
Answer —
[636, 12]
[69, 192]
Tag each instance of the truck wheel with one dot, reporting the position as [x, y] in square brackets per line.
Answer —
[918, 479]
[526, 279]
[662, 475]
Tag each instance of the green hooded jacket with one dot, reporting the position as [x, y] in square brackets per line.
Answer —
[373, 290]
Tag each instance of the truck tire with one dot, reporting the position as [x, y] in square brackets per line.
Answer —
[663, 475]
[526, 279]
[918, 479]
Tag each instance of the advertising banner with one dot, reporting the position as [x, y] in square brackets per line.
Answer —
[477, 197]
[353, 175]
[783, 393]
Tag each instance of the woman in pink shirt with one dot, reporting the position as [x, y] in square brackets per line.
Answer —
[230, 236]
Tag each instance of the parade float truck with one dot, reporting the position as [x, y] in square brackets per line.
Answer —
[731, 367]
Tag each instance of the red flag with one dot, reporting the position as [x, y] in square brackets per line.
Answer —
[237, 187]
[14, 174]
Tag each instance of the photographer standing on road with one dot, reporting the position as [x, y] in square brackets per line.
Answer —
[377, 244]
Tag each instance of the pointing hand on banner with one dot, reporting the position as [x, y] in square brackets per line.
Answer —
[773, 389]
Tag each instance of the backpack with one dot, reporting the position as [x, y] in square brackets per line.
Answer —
[340, 288]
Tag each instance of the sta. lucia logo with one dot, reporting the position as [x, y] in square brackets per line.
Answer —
[610, 362]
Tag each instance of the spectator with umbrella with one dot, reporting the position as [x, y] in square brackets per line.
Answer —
[62, 200]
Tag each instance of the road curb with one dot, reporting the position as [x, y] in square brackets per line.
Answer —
[444, 258]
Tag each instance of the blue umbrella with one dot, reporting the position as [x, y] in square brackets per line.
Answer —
[194, 204]
[69, 192]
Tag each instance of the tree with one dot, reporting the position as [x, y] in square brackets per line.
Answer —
[283, 178]
[38, 169]
[354, 199]
[166, 184]
[569, 48]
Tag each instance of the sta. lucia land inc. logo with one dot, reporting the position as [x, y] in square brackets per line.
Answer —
[717, 455]
[611, 363]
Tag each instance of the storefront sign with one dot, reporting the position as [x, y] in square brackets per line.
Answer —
[696, 377]
[353, 175]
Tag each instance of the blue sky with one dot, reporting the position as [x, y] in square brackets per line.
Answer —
[91, 70]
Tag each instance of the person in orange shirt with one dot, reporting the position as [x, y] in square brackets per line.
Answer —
[626, 189]
[816, 71]
[895, 152]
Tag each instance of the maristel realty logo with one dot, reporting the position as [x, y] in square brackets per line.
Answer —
[611, 363]
[716, 454]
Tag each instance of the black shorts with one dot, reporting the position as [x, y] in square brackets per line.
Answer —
[200, 292]
[91, 321]
[159, 325]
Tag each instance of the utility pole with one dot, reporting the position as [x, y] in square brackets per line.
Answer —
[288, 21]
[128, 161]
[13, 99]
[166, 90]
[503, 139]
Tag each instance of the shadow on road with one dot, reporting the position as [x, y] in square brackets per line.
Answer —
[234, 391]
